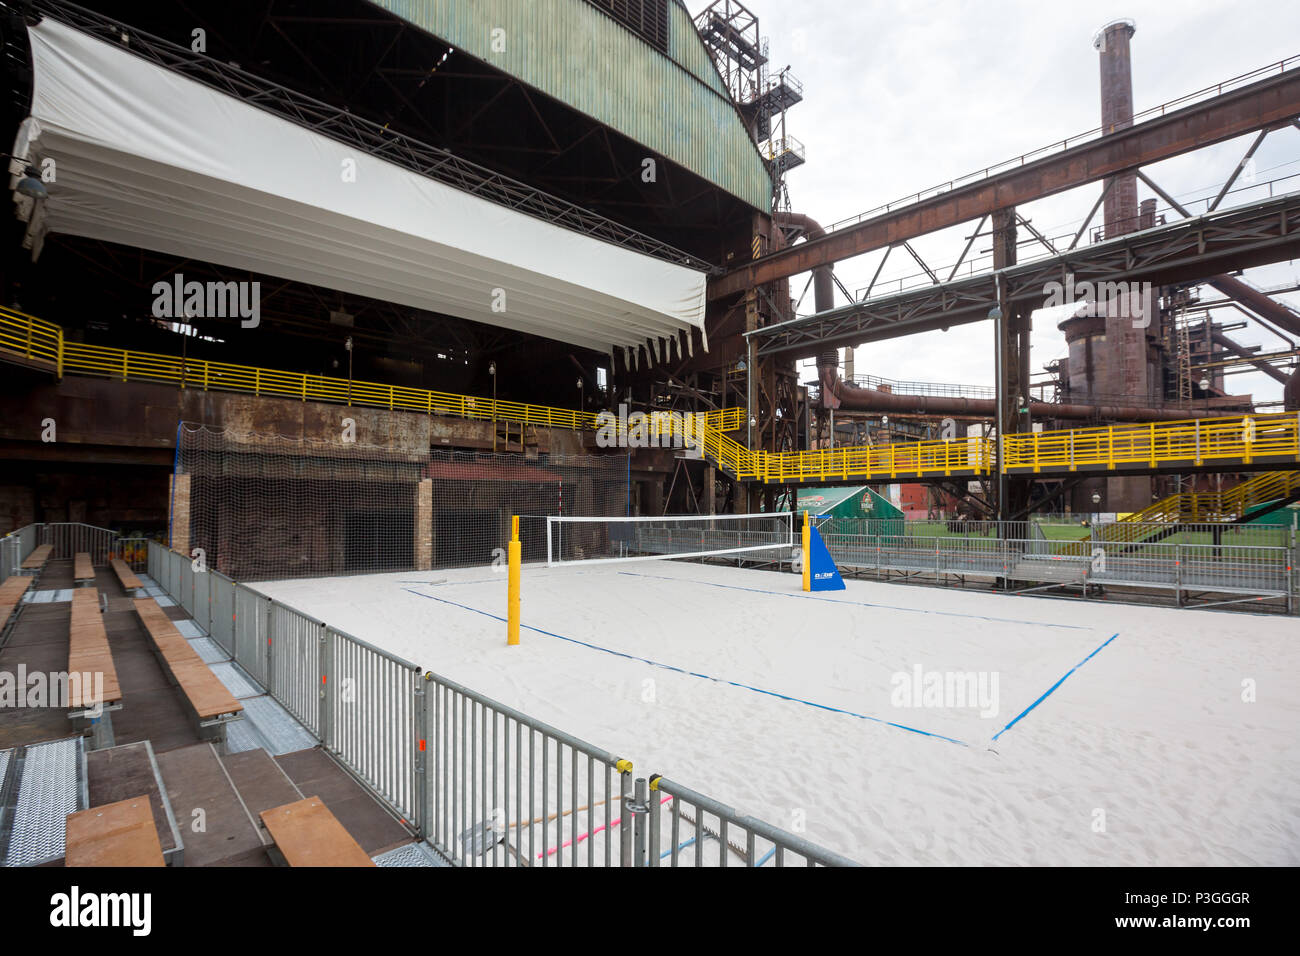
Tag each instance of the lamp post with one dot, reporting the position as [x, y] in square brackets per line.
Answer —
[347, 345]
[492, 370]
[1096, 500]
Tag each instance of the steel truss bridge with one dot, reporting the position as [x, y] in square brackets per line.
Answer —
[1255, 234]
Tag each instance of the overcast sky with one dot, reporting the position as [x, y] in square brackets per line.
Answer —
[904, 95]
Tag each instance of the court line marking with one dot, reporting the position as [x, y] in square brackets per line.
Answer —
[1054, 686]
[890, 607]
[682, 670]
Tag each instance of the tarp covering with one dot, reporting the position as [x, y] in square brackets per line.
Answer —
[149, 158]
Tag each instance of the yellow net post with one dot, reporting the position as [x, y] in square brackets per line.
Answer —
[807, 567]
[512, 587]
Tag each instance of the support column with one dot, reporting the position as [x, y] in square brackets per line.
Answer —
[424, 525]
[1012, 362]
[179, 497]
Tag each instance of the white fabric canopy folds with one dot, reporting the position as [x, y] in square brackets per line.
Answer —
[149, 158]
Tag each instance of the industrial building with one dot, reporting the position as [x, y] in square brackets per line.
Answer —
[342, 287]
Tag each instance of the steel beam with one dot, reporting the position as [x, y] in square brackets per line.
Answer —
[1185, 250]
[1248, 109]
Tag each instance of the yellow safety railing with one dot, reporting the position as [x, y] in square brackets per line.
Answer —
[1215, 506]
[36, 339]
[1197, 442]
[1240, 438]
[30, 337]
[878, 462]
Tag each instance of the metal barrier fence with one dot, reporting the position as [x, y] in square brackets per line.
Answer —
[296, 670]
[14, 549]
[1220, 568]
[751, 841]
[67, 539]
[485, 784]
[508, 790]
[72, 537]
[371, 709]
[1080, 530]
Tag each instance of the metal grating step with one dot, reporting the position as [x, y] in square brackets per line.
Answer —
[208, 649]
[413, 854]
[237, 682]
[189, 629]
[6, 759]
[273, 728]
[50, 788]
[49, 596]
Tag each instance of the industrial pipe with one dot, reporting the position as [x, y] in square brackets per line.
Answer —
[823, 284]
[856, 398]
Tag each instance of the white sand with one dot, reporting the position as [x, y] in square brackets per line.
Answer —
[1152, 730]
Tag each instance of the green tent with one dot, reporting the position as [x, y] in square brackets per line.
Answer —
[1284, 516]
[847, 506]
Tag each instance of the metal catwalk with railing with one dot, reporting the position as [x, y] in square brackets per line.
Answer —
[1251, 442]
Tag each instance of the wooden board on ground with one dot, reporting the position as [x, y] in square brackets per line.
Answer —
[308, 834]
[117, 834]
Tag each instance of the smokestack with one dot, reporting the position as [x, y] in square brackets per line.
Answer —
[1112, 42]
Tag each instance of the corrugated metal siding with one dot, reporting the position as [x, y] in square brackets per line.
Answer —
[573, 52]
[686, 48]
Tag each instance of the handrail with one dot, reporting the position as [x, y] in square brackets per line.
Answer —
[1234, 438]
[1216, 506]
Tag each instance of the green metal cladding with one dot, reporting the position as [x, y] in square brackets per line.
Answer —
[674, 105]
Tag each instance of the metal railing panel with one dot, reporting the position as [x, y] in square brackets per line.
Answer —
[507, 790]
[699, 825]
[253, 639]
[296, 677]
[70, 538]
[221, 621]
[202, 611]
[15, 547]
[1235, 569]
[370, 716]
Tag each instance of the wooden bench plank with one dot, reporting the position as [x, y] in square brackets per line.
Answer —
[82, 568]
[89, 651]
[36, 560]
[208, 697]
[11, 595]
[308, 834]
[116, 834]
[130, 581]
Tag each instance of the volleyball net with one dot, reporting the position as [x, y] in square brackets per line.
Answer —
[581, 540]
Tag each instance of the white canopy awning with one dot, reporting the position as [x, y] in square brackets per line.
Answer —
[149, 158]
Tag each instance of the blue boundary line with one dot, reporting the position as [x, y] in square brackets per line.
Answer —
[1054, 686]
[891, 607]
[682, 670]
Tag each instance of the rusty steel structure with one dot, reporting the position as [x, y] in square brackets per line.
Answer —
[1269, 102]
